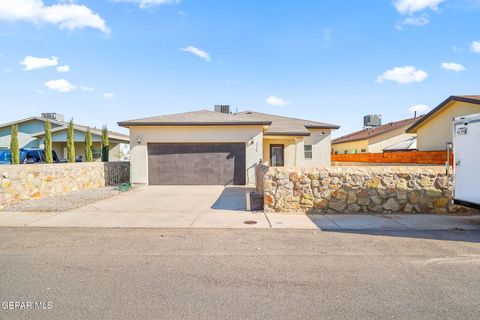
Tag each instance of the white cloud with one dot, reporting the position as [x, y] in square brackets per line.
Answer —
[149, 3]
[414, 21]
[108, 95]
[419, 108]
[413, 6]
[457, 49]
[64, 68]
[327, 37]
[452, 66]
[476, 46]
[60, 85]
[32, 63]
[86, 88]
[276, 101]
[403, 75]
[65, 15]
[198, 52]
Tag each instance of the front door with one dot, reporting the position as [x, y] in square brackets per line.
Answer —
[277, 155]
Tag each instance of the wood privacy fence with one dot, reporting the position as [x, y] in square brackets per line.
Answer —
[411, 157]
[116, 173]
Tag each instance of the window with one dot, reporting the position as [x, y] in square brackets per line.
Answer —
[308, 151]
[364, 150]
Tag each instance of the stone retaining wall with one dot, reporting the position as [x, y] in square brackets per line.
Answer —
[34, 181]
[358, 190]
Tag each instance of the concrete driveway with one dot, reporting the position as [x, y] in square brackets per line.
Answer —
[218, 207]
[160, 207]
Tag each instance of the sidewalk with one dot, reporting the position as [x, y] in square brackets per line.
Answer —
[239, 220]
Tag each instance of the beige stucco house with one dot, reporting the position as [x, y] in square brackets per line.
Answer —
[211, 147]
[376, 140]
[435, 129]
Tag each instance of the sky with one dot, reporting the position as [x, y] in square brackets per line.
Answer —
[104, 61]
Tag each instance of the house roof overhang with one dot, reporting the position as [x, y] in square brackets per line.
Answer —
[187, 124]
[413, 128]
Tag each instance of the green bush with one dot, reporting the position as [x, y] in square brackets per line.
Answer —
[71, 142]
[105, 144]
[88, 146]
[48, 142]
[14, 145]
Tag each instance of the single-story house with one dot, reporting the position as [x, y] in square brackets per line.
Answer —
[435, 129]
[31, 135]
[219, 148]
[375, 140]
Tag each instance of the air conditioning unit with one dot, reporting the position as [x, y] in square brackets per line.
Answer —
[53, 116]
[222, 108]
[372, 121]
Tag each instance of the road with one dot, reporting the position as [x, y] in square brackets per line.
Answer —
[239, 274]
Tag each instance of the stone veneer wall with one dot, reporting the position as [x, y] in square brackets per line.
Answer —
[358, 189]
[34, 181]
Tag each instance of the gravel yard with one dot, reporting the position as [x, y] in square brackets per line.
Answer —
[66, 202]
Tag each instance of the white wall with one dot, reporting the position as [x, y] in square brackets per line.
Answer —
[320, 139]
[252, 136]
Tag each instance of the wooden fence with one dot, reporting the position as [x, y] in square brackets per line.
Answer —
[411, 157]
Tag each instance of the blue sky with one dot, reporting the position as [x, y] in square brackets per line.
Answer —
[331, 61]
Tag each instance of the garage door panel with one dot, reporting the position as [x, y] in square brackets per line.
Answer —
[196, 163]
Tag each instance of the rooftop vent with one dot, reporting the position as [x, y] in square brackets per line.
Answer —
[222, 108]
[53, 116]
[372, 121]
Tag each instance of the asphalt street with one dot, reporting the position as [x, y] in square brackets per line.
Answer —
[239, 274]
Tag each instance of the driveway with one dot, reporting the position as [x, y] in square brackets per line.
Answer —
[158, 207]
[217, 207]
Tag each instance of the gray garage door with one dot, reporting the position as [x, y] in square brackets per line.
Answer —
[196, 163]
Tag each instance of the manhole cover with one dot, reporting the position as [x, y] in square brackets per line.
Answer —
[250, 222]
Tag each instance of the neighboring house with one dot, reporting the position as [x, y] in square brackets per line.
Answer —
[31, 135]
[220, 148]
[434, 130]
[374, 140]
[407, 145]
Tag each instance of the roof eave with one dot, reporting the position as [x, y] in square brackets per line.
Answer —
[330, 126]
[351, 140]
[288, 134]
[110, 136]
[179, 124]
[413, 128]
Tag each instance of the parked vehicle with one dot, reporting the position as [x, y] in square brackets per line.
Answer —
[466, 150]
[28, 156]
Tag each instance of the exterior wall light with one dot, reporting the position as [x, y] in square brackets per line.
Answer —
[139, 139]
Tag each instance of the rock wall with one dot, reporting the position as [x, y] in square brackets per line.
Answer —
[358, 190]
[34, 181]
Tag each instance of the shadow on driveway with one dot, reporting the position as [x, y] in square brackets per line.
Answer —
[232, 198]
